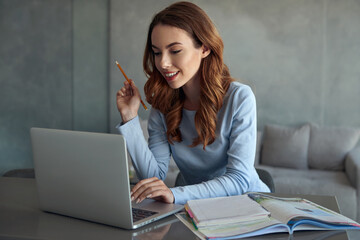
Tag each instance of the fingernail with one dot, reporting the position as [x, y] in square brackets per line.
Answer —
[138, 200]
[132, 198]
[148, 196]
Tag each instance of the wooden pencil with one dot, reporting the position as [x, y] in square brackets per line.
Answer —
[129, 82]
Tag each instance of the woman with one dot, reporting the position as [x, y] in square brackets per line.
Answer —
[200, 115]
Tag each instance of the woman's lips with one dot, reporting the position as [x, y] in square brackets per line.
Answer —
[170, 76]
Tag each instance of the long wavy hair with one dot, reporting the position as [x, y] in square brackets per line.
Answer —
[214, 74]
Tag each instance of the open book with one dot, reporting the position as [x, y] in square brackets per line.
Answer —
[228, 211]
[286, 215]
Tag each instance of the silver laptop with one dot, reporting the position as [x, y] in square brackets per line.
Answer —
[85, 175]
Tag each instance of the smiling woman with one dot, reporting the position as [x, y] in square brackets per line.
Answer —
[177, 58]
[188, 24]
[200, 116]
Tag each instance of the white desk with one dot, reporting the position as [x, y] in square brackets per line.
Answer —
[20, 218]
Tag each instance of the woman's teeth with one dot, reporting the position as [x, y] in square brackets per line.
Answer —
[170, 74]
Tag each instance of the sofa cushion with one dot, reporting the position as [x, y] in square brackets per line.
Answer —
[329, 145]
[316, 182]
[285, 146]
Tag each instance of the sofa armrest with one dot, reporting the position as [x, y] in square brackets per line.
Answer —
[352, 167]
[352, 170]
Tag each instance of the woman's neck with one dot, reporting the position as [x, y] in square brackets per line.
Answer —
[192, 94]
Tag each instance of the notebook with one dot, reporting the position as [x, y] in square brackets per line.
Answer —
[85, 175]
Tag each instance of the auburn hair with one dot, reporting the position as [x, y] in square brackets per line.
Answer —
[214, 74]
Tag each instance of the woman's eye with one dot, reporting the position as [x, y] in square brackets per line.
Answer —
[157, 53]
[176, 51]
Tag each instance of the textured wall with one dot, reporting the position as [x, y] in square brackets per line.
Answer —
[301, 57]
[57, 70]
[35, 74]
[90, 65]
[44, 81]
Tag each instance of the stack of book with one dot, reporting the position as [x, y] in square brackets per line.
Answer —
[256, 214]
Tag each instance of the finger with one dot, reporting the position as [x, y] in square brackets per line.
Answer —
[119, 93]
[124, 91]
[129, 92]
[141, 190]
[153, 191]
[128, 87]
[142, 182]
[159, 192]
[162, 194]
[147, 193]
[134, 88]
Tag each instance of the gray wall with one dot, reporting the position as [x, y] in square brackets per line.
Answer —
[301, 57]
[57, 70]
[53, 71]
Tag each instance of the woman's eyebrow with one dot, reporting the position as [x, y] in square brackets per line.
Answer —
[168, 46]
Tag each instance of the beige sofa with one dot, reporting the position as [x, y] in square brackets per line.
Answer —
[313, 160]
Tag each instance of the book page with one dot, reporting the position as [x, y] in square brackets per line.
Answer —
[224, 210]
[240, 230]
[286, 209]
[247, 229]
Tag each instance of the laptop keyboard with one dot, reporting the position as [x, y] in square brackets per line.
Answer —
[139, 214]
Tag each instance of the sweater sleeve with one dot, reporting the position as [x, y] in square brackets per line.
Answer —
[240, 173]
[148, 160]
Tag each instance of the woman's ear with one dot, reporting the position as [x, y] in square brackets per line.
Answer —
[205, 51]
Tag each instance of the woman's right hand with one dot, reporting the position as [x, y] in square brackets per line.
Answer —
[128, 101]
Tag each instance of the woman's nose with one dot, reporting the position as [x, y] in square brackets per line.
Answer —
[165, 61]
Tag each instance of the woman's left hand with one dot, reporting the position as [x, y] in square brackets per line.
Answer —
[152, 188]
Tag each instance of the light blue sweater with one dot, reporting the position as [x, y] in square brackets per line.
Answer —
[224, 168]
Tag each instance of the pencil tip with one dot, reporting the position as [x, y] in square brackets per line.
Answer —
[116, 62]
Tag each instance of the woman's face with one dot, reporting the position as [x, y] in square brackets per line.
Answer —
[176, 57]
